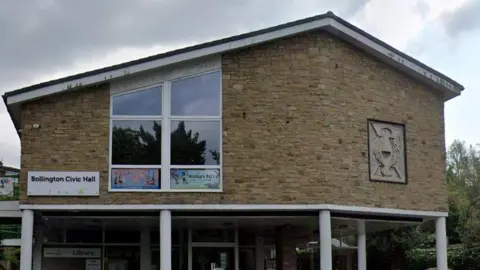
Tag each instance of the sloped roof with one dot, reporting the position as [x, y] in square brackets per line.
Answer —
[328, 22]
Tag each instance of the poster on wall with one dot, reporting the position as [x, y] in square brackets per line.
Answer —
[195, 178]
[135, 179]
[6, 186]
[93, 264]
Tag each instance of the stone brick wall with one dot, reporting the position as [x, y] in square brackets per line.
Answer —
[295, 131]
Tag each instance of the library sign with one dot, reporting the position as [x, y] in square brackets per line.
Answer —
[62, 183]
[72, 252]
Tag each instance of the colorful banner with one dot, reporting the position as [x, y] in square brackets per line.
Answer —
[7, 186]
[135, 179]
[195, 178]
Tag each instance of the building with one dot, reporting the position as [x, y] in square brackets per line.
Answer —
[9, 182]
[239, 153]
[9, 215]
[8, 171]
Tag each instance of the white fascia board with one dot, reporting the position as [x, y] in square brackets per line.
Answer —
[237, 207]
[393, 56]
[11, 214]
[9, 205]
[236, 44]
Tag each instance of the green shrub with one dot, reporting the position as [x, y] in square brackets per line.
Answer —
[421, 259]
[459, 258]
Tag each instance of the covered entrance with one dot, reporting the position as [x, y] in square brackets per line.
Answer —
[202, 240]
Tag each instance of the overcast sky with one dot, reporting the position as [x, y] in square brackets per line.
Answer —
[47, 39]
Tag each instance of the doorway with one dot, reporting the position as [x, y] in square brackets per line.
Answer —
[213, 258]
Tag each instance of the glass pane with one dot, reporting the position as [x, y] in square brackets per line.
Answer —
[129, 237]
[270, 258]
[54, 236]
[63, 263]
[124, 258]
[195, 143]
[246, 237]
[246, 258]
[195, 178]
[179, 260]
[84, 236]
[176, 235]
[213, 235]
[135, 178]
[144, 102]
[199, 95]
[136, 142]
[213, 258]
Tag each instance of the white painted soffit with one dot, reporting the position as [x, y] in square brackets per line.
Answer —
[239, 207]
[329, 23]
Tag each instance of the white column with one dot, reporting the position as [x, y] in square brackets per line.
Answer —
[441, 242]
[325, 240]
[145, 254]
[37, 252]
[165, 240]
[27, 240]
[361, 245]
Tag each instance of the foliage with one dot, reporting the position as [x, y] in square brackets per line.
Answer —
[391, 245]
[463, 179]
[421, 259]
[10, 254]
[417, 243]
[459, 258]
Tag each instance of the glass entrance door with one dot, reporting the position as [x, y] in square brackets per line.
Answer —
[213, 258]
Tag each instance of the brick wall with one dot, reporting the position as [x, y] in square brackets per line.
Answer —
[295, 113]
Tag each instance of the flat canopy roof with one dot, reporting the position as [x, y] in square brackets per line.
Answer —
[327, 22]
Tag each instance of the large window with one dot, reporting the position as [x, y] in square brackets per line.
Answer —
[168, 136]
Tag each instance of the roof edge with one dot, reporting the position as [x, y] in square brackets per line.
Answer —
[167, 54]
[328, 19]
[10, 113]
[397, 51]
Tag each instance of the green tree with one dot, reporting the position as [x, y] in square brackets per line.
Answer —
[463, 178]
[463, 224]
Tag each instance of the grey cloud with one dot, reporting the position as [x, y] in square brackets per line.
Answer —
[50, 35]
[422, 8]
[42, 37]
[463, 19]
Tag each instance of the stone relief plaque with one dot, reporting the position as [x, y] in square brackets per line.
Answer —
[387, 160]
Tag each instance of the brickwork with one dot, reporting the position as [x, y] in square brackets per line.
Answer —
[295, 131]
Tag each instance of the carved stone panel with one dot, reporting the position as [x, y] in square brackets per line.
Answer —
[387, 160]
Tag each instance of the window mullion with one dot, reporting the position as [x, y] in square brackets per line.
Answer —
[165, 182]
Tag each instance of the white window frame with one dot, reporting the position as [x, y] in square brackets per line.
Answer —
[165, 119]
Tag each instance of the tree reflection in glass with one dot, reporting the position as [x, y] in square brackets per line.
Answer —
[195, 143]
[136, 142]
[139, 142]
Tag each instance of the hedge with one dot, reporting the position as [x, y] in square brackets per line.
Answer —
[459, 258]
